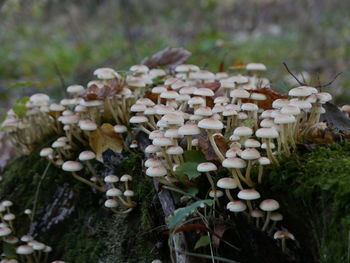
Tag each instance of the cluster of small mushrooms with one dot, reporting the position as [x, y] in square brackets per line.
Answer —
[175, 109]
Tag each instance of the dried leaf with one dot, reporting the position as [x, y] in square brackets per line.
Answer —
[110, 89]
[214, 86]
[336, 120]
[271, 96]
[103, 139]
[219, 231]
[207, 149]
[168, 57]
[320, 133]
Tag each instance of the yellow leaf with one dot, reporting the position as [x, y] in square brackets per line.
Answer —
[103, 139]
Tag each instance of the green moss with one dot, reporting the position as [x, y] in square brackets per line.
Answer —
[318, 183]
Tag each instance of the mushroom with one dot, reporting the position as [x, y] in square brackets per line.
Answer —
[283, 236]
[268, 206]
[87, 156]
[207, 168]
[228, 184]
[249, 195]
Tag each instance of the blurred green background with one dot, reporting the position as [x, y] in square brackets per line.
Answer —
[49, 44]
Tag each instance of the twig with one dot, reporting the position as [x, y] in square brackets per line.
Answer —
[331, 82]
[292, 74]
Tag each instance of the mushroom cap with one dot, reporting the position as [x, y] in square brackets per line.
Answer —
[268, 133]
[284, 119]
[126, 178]
[283, 235]
[210, 124]
[189, 129]
[56, 107]
[75, 89]
[91, 103]
[189, 90]
[255, 67]
[152, 149]
[236, 206]
[70, 119]
[169, 94]
[302, 91]
[5, 231]
[226, 183]
[204, 92]
[172, 133]
[120, 128]
[280, 103]
[240, 94]
[145, 101]
[257, 96]
[26, 238]
[156, 134]
[111, 179]
[87, 125]
[24, 250]
[153, 162]
[267, 123]
[158, 89]
[301, 104]
[269, 205]
[264, 161]
[256, 213]
[233, 152]
[72, 166]
[58, 144]
[111, 203]
[138, 119]
[38, 245]
[243, 131]
[203, 111]
[138, 107]
[250, 154]
[252, 143]
[290, 109]
[87, 155]
[175, 150]
[9, 217]
[249, 107]
[248, 194]
[46, 151]
[162, 142]
[275, 216]
[139, 68]
[114, 192]
[173, 119]
[28, 211]
[216, 193]
[206, 167]
[106, 73]
[7, 203]
[196, 101]
[235, 162]
[128, 193]
[156, 171]
[39, 99]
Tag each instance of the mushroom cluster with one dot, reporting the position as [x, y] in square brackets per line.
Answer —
[27, 248]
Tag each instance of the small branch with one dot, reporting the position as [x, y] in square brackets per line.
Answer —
[331, 82]
[292, 74]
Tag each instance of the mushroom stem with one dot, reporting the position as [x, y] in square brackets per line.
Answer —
[240, 175]
[267, 220]
[257, 222]
[122, 212]
[260, 175]
[269, 152]
[210, 181]
[229, 196]
[247, 173]
[250, 207]
[215, 147]
[85, 181]
[93, 172]
[189, 142]
[272, 227]
[142, 128]
[283, 245]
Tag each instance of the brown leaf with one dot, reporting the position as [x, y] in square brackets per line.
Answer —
[336, 119]
[271, 96]
[321, 134]
[214, 86]
[207, 149]
[103, 139]
[219, 231]
[168, 57]
[110, 89]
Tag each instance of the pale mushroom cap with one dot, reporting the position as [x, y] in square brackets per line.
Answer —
[189, 129]
[46, 152]
[72, 166]
[56, 107]
[5, 231]
[111, 203]
[173, 119]
[153, 162]
[264, 161]
[38, 246]
[256, 213]
[250, 154]
[39, 99]
[255, 67]
[206, 167]
[284, 119]
[106, 73]
[283, 235]
[138, 119]
[87, 155]
[145, 101]
[280, 103]
[126, 178]
[114, 192]
[139, 68]
[240, 94]
[70, 119]
[204, 92]
[236, 206]
[26, 238]
[301, 104]
[249, 107]
[24, 250]
[257, 96]
[216, 193]
[9, 217]
[210, 124]
[169, 94]
[302, 91]
[138, 108]
[120, 128]
[269, 205]
[7, 203]
[267, 123]
[248, 194]
[156, 134]
[156, 171]
[58, 144]
[152, 149]
[189, 90]
[243, 131]
[203, 111]
[233, 152]
[128, 193]
[158, 89]
[162, 142]
[252, 143]
[91, 103]
[75, 89]
[226, 183]
[275, 216]
[175, 150]
[290, 109]
[28, 211]
[234, 163]
[269, 133]
[87, 125]
[111, 179]
[172, 133]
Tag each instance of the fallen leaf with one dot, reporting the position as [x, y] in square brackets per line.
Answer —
[110, 89]
[336, 120]
[219, 231]
[168, 57]
[270, 94]
[214, 86]
[103, 139]
[207, 149]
